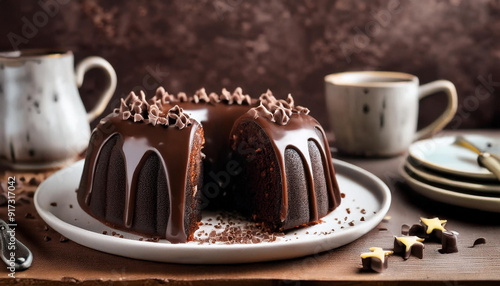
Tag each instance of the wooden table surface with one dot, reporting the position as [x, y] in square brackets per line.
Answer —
[58, 262]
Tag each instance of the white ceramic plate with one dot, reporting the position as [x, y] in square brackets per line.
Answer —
[448, 196]
[442, 155]
[437, 178]
[363, 190]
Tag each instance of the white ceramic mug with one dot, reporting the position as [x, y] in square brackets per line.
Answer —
[43, 122]
[375, 113]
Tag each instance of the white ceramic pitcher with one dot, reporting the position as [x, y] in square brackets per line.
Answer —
[43, 122]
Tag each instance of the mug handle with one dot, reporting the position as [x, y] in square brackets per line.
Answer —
[447, 115]
[97, 62]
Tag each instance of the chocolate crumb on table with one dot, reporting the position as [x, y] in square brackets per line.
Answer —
[29, 216]
[46, 238]
[405, 229]
[478, 241]
[63, 239]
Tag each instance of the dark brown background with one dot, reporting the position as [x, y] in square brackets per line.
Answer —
[287, 46]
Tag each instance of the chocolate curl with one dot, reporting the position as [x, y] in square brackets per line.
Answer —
[213, 98]
[283, 103]
[290, 101]
[182, 97]
[280, 116]
[178, 118]
[160, 98]
[163, 95]
[162, 121]
[200, 96]
[226, 96]
[261, 111]
[267, 97]
[124, 110]
[154, 113]
[247, 100]
[302, 110]
[138, 117]
[126, 115]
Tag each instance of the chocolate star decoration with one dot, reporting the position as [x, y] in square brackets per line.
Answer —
[375, 260]
[434, 227]
[407, 245]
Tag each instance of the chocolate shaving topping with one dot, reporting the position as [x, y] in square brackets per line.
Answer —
[153, 112]
[278, 111]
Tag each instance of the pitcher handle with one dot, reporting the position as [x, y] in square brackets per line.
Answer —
[448, 113]
[97, 62]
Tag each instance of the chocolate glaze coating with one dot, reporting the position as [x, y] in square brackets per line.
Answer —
[296, 155]
[134, 179]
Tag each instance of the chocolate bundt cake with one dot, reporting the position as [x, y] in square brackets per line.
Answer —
[287, 176]
[143, 169]
[265, 158]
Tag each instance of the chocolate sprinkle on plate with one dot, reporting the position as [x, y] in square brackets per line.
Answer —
[54, 204]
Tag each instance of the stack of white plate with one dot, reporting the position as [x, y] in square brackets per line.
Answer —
[443, 171]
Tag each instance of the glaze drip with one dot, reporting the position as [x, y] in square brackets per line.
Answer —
[296, 135]
[135, 150]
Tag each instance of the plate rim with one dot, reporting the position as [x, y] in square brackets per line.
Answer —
[433, 178]
[437, 194]
[383, 194]
[486, 175]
